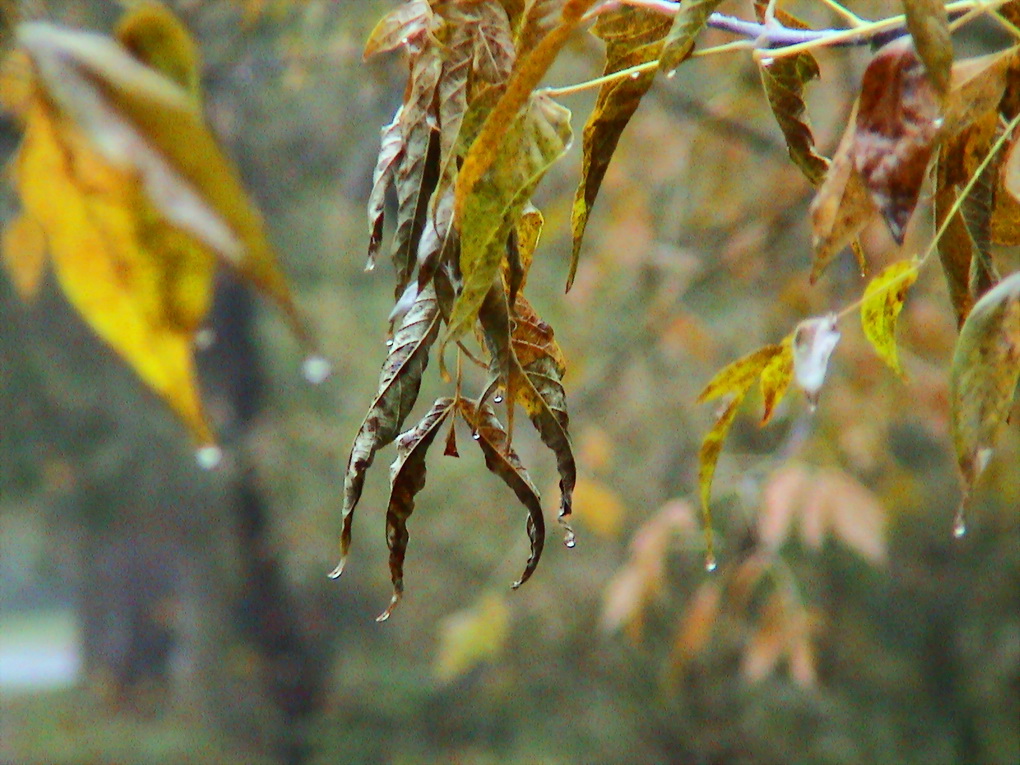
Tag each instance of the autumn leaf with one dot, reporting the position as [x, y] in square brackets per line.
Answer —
[784, 80]
[599, 507]
[494, 52]
[688, 23]
[399, 383]
[985, 371]
[471, 636]
[23, 253]
[390, 154]
[734, 380]
[881, 305]
[897, 125]
[536, 139]
[775, 379]
[928, 24]
[696, 625]
[502, 461]
[841, 207]
[633, 37]
[407, 478]
[403, 24]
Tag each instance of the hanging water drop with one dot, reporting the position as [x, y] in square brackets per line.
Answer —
[960, 524]
[389, 343]
[476, 435]
[710, 563]
[209, 457]
[569, 538]
[497, 399]
[316, 369]
[635, 75]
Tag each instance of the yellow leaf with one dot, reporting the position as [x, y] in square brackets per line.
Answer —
[881, 306]
[472, 636]
[738, 376]
[23, 250]
[141, 287]
[154, 36]
[598, 507]
[775, 378]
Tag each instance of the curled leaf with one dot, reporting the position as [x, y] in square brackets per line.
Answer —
[404, 23]
[391, 152]
[814, 340]
[502, 460]
[985, 371]
[883, 300]
[688, 23]
[407, 478]
[399, 383]
[784, 80]
[775, 379]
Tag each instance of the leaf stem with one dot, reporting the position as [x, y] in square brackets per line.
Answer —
[851, 18]
[953, 210]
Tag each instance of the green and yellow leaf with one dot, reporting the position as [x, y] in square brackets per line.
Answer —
[471, 637]
[880, 308]
[775, 379]
[688, 23]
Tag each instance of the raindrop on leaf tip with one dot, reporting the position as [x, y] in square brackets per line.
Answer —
[710, 563]
[959, 525]
[476, 435]
[671, 74]
[497, 399]
[209, 457]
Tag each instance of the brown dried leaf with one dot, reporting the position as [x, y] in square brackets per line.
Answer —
[898, 120]
[696, 625]
[841, 207]
[399, 383]
[928, 23]
[502, 460]
[985, 371]
[407, 478]
[391, 153]
[688, 23]
[784, 80]
[400, 26]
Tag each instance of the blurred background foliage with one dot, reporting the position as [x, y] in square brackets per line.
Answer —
[151, 612]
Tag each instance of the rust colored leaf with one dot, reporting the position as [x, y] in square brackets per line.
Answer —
[880, 308]
[399, 383]
[898, 121]
[841, 207]
[985, 371]
[696, 625]
[977, 87]
[784, 80]
[633, 37]
[502, 460]
[407, 478]
[688, 23]
[391, 152]
[23, 253]
[928, 24]
[403, 24]
[494, 52]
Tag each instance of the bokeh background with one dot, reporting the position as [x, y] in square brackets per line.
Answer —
[151, 612]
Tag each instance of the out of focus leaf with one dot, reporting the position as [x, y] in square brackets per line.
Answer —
[928, 24]
[696, 625]
[880, 308]
[784, 80]
[471, 637]
[599, 507]
[23, 253]
[538, 19]
[407, 478]
[898, 119]
[1011, 170]
[401, 25]
[688, 23]
[502, 460]
[985, 371]
[841, 207]
[814, 340]
[633, 36]
[390, 154]
[154, 36]
[399, 383]
[537, 138]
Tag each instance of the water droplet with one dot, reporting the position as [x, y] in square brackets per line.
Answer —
[960, 524]
[404, 40]
[205, 338]
[937, 122]
[316, 369]
[335, 573]
[710, 564]
[497, 399]
[635, 75]
[476, 435]
[209, 457]
[389, 343]
[671, 74]
[767, 61]
[569, 538]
